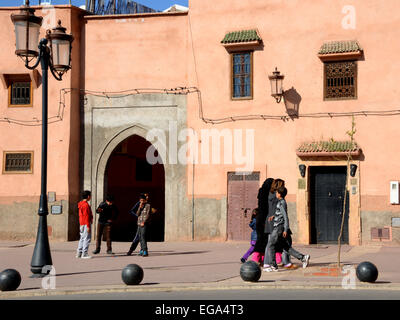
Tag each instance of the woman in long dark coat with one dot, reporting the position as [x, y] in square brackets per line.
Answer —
[261, 243]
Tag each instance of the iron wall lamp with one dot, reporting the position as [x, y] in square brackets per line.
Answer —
[276, 80]
[353, 169]
[302, 169]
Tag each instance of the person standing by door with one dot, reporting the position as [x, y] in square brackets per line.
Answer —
[108, 213]
[143, 213]
[85, 222]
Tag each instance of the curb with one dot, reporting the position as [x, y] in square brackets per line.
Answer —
[206, 287]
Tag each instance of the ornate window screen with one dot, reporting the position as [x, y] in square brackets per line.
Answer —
[340, 80]
[17, 162]
[20, 93]
[242, 75]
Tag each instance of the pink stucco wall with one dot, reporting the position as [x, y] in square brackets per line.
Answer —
[292, 33]
[162, 51]
[63, 131]
[135, 51]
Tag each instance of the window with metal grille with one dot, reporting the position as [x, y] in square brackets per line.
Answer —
[242, 86]
[17, 162]
[20, 93]
[380, 233]
[340, 80]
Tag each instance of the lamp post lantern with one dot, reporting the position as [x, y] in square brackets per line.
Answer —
[57, 57]
[276, 80]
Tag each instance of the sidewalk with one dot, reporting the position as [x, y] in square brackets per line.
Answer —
[190, 266]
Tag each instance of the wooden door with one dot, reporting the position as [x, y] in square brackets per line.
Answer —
[242, 199]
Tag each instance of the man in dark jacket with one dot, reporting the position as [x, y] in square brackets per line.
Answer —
[107, 214]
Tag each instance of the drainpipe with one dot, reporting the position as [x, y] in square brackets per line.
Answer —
[193, 194]
[193, 203]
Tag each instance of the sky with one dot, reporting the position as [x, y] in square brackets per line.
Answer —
[154, 4]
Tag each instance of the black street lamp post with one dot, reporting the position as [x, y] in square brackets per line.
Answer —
[57, 57]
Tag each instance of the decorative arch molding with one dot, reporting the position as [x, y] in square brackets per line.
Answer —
[106, 151]
[107, 122]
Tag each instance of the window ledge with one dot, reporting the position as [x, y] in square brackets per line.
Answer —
[8, 77]
[242, 46]
[341, 56]
[241, 98]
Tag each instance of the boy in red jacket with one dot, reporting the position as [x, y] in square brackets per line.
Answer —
[85, 222]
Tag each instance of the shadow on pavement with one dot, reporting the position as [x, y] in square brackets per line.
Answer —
[151, 253]
[85, 272]
[192, 265]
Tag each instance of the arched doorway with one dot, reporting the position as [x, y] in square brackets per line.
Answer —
[127, 175]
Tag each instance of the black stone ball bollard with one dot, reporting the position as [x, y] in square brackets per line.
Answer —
[367, 272]
[250, 271]
[132, 274]
[10, 280]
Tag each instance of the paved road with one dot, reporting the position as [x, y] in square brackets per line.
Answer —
[241, 294]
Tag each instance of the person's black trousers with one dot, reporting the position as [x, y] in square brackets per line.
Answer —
[101, 227]
[139, 237]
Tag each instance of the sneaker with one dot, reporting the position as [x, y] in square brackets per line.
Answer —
[145, 254]
[96, 251]
[78, 255]
[86, 256]
[290, 266]
[129, 253]
[271, 269]
[140, 252]
[242, 260]
[110, 252]
[305, 260]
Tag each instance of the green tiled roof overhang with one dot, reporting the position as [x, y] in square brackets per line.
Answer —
[340, 47]
[328, 146]
[241, 36]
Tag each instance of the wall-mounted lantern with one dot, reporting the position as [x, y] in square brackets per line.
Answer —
[302, 169]
[276, 80]
[353, 169]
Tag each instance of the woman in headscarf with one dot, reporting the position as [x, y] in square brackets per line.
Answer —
[261, 243]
